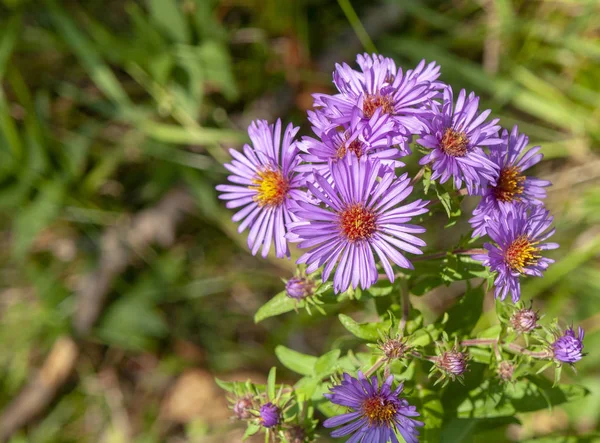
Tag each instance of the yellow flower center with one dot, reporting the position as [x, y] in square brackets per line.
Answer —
[379, 411]
[374, 101]
[271, 188]
[357, 222]
[454, 143]
[521, 253]
[510, 185]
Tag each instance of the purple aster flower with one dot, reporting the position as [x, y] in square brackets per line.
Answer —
[512, 186]
[374, 138]
[377, 413]
[265, 184]
[568, 347]
[359, 215]
[455, 134]
[270, 415]
[518, 234]
[381, 85]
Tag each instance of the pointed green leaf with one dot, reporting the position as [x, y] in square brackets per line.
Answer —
[296, 361]
[279, 304]
[271, 383]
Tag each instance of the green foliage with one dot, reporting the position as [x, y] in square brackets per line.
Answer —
[106, 106]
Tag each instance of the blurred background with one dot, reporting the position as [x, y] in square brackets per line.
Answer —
[124, 287]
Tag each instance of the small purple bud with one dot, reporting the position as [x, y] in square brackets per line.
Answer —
[270, 415]
[568, 348]
[453, 362]
[241, 408]
[524, 320]
[299, 288]
[505, 371]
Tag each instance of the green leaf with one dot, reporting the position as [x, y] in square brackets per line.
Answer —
[228, 386]
[366, 331]
[463, 316]
[100, 73]
[8, 38]
[464, 429]
[271, 383]
[168, 16]
[296, 361]
[36, 216]
[279, 304]
[252, 429]
[526, 395]
[326, 364]
[432, 413]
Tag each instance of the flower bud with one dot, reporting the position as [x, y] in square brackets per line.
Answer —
[270, 415]
[568, 348]
[394, 348]
[505, 371]
[241, 408]
[524, 320]
[453, 363]
[299, 288]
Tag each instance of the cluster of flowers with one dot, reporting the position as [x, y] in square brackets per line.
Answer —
[338, 195]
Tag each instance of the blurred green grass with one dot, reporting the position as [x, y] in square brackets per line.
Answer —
[105, 106]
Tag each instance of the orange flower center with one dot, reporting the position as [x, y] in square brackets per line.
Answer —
[510, 185]
[454, 143]
[356, 146]
[271, 188]
[357, 222]
[374, 101]
[521, 253]
[379, 411]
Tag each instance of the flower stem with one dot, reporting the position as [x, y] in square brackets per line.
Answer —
[510, 347]
[443, 254]
[405, 308]
[375, 366]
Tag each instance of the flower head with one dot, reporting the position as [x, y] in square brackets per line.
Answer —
[270, 415]
[452, 363]
[519, 235]
[242, 407]
[524, 320]
[376, 413]
[567, 348]
[455, 134]
[264, 184]
[299, 287]
[505, 371]
[511, 187]
[357, 217]
[370, 138]
[395, 348]
[380, 86]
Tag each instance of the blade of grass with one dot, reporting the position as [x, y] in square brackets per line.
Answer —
[358, 27]
[87, 54]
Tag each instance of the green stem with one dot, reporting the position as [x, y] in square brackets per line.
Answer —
[375, 366]
[443, 254]
[510, 347]
[358, 27]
